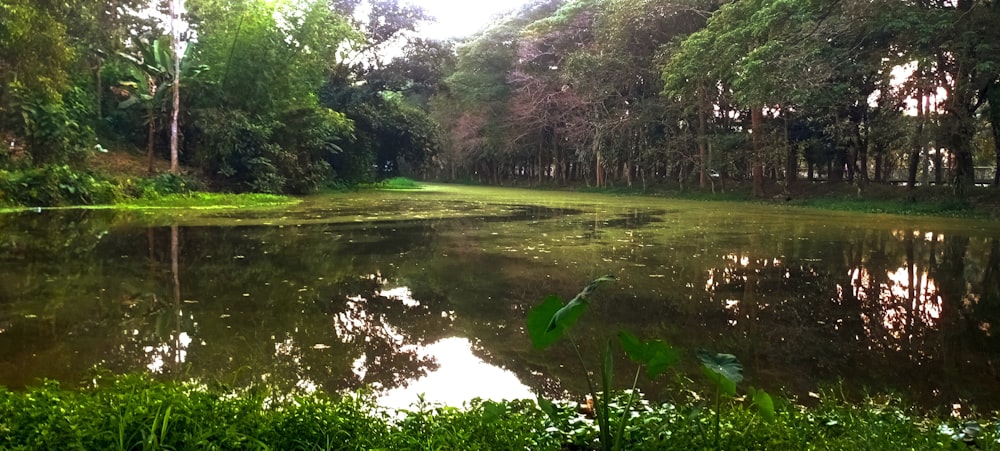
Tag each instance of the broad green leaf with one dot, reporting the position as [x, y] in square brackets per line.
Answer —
[657, 355]
[538, 321]
[549, 320]
[725, 385]
[726, 366]
[568, 315]
[493, 411]
[128, 102]
[587, 290]
[764, 403]
[549, 408]
[634, 348]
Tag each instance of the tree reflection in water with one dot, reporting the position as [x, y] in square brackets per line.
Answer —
[366, 300]
[889, 319]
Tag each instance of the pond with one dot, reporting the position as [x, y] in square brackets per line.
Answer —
[426, 292]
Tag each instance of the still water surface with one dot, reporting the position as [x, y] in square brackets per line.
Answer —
[426, 292]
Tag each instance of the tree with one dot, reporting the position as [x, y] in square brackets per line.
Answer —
[175, 54]
[952, 39]
[155, 73]
[34, 74]
[778, 57]
[268, 66]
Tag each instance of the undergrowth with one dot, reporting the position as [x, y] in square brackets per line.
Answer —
[137, 412]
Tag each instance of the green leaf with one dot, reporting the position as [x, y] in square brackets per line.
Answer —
[494, 411]
[723, 369]
[568, 315]
[549, 408]
[128, 102]
[764, 403]
[548, 321]
[725, 385]
[656, 354]
[538, 321]
[587, 290]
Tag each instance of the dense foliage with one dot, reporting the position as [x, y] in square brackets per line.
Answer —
[698, 92]
[134, 412]
[291, 96]
[259, 84]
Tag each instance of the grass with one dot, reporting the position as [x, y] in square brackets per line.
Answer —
[946, 208]
[191, 201]
[137, 412]
[938, 201]
[398, 183]
[202, 200]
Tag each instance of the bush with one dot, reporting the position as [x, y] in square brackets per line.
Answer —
[165, 184]
[49, 128]
[399, 183]
[290, 154]
[55, 185]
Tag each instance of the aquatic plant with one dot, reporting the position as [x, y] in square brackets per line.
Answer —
[552, 319]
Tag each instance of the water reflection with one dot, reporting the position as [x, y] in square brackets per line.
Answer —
[459, 378]
[372, 299]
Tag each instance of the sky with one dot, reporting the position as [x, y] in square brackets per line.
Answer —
[461, 18]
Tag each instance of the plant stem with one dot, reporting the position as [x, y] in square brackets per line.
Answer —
[626, 414]
[718, 403]
[602, 420]
[586, 373]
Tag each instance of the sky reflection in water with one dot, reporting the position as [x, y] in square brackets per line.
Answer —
[460, 377]
[411, 300]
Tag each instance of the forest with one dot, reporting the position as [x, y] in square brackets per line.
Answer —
[292, 96]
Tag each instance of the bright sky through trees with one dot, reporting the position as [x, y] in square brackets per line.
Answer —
[459, 18]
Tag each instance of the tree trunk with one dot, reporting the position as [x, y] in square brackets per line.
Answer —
[702, 152]
[757, 159]
[879, 161]
[99, 94]
[993, 93]
[175, 51]
[961, 131]
[862, 163]
[791, 159]
[918, 144]
[150, 139]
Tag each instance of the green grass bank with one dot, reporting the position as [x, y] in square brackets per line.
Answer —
[137, 412]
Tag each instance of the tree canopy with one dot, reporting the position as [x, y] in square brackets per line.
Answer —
[263, 80]
[287, 96]
[761, 90]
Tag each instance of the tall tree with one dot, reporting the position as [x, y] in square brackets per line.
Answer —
[175, 52]
[953, 36]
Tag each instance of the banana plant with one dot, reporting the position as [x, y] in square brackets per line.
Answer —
[152, 74]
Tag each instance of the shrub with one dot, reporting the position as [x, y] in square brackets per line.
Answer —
[49, 127]
[55, 185]
[291, 154]
[157, 187]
